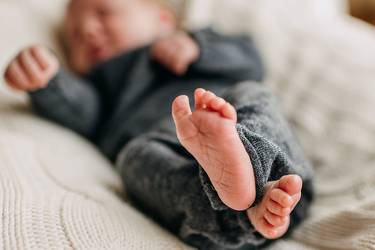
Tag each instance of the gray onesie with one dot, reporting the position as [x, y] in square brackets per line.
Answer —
[124, 107]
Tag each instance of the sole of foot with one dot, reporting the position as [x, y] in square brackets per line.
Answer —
[209, 134]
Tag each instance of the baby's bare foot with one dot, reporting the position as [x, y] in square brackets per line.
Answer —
[272, 216]
[210, 135]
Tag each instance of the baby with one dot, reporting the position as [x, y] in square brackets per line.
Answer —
[221, 176]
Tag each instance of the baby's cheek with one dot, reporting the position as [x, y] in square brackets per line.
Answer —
[133, 36]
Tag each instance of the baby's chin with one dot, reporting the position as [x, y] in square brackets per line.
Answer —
[84, 68]
[81, 70]
[94, 60]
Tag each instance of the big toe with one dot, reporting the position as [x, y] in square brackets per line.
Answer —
[292, 184]
[181, 113]
[180, 108]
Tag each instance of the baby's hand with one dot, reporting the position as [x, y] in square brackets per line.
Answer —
[31, 69]
[177, 52]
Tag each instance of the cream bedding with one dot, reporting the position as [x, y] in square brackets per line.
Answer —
[58, 192]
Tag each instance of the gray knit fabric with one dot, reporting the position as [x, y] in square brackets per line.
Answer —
[123, 106]
[164, 180]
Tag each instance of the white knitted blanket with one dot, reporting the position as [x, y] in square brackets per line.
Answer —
[57, 192]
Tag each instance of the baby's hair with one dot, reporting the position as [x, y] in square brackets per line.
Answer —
[177, 7]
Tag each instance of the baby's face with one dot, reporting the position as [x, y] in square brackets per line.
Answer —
[97, 30]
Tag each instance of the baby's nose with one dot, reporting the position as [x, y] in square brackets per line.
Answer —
[90, 28]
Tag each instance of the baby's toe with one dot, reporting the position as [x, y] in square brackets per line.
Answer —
[198, 94]
[228, 111]
[217, 103]
[281, 197]
[206, 98]
[277, 209]
[292, 184]
[274, 219]
[180, 107]
[267, 229]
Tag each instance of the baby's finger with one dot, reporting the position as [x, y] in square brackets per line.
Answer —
[41, 56]
[16, 76]
[14, 85]
[156, 50]
[171, 62]
[189, 50]
[183, 62]
[171, 52]
[160, 49]
[179, 65]
[30, 67]
[7, 76]
[49, 64]
[160, 54]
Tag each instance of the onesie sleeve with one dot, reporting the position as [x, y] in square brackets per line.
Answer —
[69, 101]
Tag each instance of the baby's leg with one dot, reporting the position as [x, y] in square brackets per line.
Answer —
[209, 134]
[162, 178]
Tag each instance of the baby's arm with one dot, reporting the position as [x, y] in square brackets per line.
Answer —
[232, 57]
[176, 52]
[54, 93]
[31, 69]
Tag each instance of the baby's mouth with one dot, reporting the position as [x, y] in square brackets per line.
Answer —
[97, 55]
